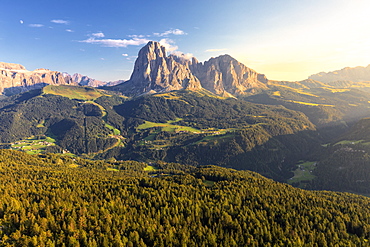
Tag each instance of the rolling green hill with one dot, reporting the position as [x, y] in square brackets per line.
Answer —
[322, 104]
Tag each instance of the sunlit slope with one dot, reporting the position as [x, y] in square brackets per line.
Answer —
[323, 104]
[57, 200]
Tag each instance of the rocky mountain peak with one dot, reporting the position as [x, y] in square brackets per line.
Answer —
[11, 66]
[225, 75]
[153, 50]
[154, 71]
[84, 80]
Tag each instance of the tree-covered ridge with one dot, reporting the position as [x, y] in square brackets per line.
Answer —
[322, 104]
[344, 163]
[213, 130]
[96, 124]
[78, 126]
[50, 200]
[202, 111]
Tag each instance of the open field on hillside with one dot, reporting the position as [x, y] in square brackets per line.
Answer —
[303, 172]
[168, 126]
[73, 92]
[344, 142]
[33, 145]
[309, 103]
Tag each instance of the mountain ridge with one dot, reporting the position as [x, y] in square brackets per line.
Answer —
[352, 74]
[156, 72]
[14, 78]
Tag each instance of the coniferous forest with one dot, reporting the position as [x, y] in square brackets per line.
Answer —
[54, 200]
[165, 150]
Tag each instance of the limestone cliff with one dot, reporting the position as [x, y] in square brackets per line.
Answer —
[14, 78]
[225, 75]
[154, 71]
[84, 80]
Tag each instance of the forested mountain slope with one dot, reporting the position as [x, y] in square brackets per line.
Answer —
[51, 200]
[76, 124]
[344, 164]
[196, 128]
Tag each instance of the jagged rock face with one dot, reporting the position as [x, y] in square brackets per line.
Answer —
[224, 75]
[11, 66]
[14, 78]
[357, 74]
[83, 80]
[154, 71]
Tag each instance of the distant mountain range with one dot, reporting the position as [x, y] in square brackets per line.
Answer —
[356, 74]
[15, 78]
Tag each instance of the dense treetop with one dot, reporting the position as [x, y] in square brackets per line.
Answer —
[53, 200]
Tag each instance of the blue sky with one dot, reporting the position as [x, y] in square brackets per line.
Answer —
[286, 40]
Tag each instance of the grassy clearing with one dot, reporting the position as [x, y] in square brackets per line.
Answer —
[33, 145]
[70, 155]
[337, 90]
[150, 168]
[115, 131]
[171, 95]
[303, 172]
[209, 183]
[295, 90]
[215, 137]
[73, 92]
[112, 169]
[276, 93]
[308, 103]
[168, 126]
[346, 142]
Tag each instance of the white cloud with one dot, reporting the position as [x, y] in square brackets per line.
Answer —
[172, 31]
[60, 21]
[115, 42]
[138, 36]
[69, 30]
[187, 56]
[35, 25]
[98, 35]
[215, 50]
[168, 44]
[125, 55]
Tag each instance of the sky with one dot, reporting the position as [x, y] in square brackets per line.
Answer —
[285, 40]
